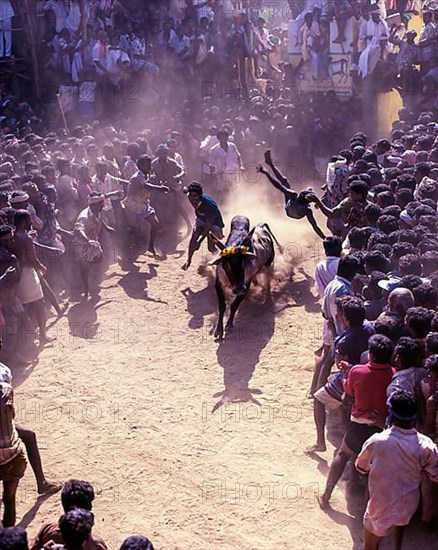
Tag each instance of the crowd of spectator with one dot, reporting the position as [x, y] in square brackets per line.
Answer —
[94, 179]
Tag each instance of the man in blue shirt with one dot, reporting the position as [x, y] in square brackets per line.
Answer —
[208, 219]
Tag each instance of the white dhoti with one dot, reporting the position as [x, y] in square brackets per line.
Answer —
[29, 287]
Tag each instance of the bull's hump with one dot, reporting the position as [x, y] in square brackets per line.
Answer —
[240, 222]
[239, 230]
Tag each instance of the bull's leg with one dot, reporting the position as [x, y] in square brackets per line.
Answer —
[219, 332]
[233, 310]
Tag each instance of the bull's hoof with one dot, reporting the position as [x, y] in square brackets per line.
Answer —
[219, 334]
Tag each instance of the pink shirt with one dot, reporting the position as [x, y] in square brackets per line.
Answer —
[395, 460]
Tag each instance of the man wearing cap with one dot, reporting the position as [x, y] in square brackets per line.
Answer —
[374, 33]
[395, 461]
[20, 201]
[208, 219]
[87, 231]
[225, 162]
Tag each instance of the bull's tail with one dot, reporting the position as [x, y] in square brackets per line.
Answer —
[280, 248]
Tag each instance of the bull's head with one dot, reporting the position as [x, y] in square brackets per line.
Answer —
[232, 260]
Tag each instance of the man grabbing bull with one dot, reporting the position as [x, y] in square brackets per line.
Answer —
[208, 219]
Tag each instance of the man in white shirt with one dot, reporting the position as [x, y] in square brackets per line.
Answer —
[327, 269]
[225, 161]
[374, 33]
[100, 53]
[59, 9]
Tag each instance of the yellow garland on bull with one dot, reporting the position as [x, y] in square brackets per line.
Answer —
[232, 250]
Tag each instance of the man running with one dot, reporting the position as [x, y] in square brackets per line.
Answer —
[208, 219]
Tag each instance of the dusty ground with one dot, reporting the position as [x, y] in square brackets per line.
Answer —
[135, 396]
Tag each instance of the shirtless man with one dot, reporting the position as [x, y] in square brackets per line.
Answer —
[29, 289]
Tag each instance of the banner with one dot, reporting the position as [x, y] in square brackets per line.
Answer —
[321, 57]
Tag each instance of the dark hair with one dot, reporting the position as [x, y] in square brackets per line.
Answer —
[423, 210]
[400, 249]
[410, 265]
[403, 197]
[372, 213]
[425, 246]
[332, 245]
[403, 405]
[410, 282]
[423, 168]
[137, 542]
[409, 352]
[195, 187]
[387, 198]
[348, 267]
[75, 526]
[429, 222]
[353, 310]
[418, 321]
[381, 349]
[432, 363]
[357, 238]
[376, 260]
[374, 173]
[387, 224]
[377, 237]
[394, 210]
[389, 327]
[20, 217]
[77, 494]
[359, 187]
[384, 248]
[13, 538]
[432, 343]
[381, 188]
[373, 290]
[407, 181]
[428, 191]
[425, 296]
[144, 158]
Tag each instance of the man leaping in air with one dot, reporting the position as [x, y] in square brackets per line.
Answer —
[296, 204]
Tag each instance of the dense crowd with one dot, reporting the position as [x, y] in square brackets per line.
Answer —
[88, 182]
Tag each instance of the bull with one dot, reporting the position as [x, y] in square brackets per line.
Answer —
[244, 254]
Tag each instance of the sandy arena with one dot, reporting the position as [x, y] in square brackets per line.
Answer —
[196, 444]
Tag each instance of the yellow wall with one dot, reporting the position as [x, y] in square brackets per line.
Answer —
[388, 104]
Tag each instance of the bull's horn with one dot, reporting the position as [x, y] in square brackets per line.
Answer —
[216, 261]
[216, 241]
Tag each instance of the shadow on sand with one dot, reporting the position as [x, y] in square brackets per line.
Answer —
[82, 318]
[239, 353]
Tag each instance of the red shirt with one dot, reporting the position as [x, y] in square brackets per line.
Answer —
[367, 384]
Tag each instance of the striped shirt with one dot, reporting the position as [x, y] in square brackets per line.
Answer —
[10, 443]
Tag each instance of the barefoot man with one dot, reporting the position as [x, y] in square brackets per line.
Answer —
[208, 219]
[296, 204]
